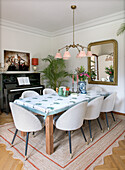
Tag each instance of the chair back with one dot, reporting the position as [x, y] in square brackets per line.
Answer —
[108, 103]
[73, 118]
[48, 91]
[29, 93]
[24, 120]
[94, 108]
[96, 89]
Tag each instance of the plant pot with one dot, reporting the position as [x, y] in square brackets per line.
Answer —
[82, 87]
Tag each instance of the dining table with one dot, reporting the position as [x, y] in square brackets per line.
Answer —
[49, 105]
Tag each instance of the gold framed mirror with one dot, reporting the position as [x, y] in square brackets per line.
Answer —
[103, 65]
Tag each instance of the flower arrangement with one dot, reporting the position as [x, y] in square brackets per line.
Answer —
[109, 70]
[82, 74]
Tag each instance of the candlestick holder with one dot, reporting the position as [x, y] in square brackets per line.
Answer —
[77, 89]
[72, 87]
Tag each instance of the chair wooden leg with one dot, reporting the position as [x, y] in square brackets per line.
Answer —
[14, 136]
[84, 135]
[107, 120]
[90, 130]
[99, 124]
[27, 137]
[113, 116]
[70, 147]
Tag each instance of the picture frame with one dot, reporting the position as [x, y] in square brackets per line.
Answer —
[16, 61]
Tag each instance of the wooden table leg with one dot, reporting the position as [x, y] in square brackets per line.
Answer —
[23, 134]
[49, 135]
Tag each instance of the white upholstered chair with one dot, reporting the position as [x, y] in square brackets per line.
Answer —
[93, 112]
[24, 121]
[71, 120]
[29, 93]
[96, 89]
[108, 105]
[48, 91]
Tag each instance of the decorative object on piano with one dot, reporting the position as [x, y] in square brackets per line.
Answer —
[82, 75]
[1, 68]
[54, 73]
[34, 63]
[16, 61]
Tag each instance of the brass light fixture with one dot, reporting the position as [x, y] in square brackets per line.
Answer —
[81, 53]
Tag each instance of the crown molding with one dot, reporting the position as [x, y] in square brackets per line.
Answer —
[24, 28]
[92, 23]
[85, 25]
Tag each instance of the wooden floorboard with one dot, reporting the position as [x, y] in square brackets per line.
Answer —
[5, 118]
[116, 161]
[7, 162]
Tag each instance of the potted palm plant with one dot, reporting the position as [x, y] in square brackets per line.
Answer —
[54, 73]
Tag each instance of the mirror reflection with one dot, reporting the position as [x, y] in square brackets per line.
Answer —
[103, 63]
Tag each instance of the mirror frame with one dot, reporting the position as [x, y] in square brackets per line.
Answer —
[115, 62]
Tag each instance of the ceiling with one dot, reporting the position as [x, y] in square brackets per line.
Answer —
[54, 15]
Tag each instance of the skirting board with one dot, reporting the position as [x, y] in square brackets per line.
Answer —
[123, 114]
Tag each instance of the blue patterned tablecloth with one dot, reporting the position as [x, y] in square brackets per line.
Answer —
[50, 104]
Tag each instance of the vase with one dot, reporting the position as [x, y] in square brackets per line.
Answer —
[82, 87]
[111, 78]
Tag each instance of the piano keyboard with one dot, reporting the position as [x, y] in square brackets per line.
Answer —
[29, 88]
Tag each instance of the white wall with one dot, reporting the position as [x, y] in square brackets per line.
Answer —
[94, 34]
[17, 40]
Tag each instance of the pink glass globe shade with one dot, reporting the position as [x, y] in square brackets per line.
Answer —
[58, 55]
[89, 54]
[82, 54]
[66, 55]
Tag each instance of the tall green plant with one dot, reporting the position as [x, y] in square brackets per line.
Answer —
[54, 73]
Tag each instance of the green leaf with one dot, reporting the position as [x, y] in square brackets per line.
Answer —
[121, 29]
[54, 73]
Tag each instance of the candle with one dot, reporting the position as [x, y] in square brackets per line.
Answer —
[73, 79]
[77, 78]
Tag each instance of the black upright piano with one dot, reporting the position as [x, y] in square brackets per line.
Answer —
[11, 90]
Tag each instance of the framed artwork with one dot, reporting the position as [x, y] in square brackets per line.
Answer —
[16, 61]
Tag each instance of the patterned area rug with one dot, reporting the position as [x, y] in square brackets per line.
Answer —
[84, 156]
